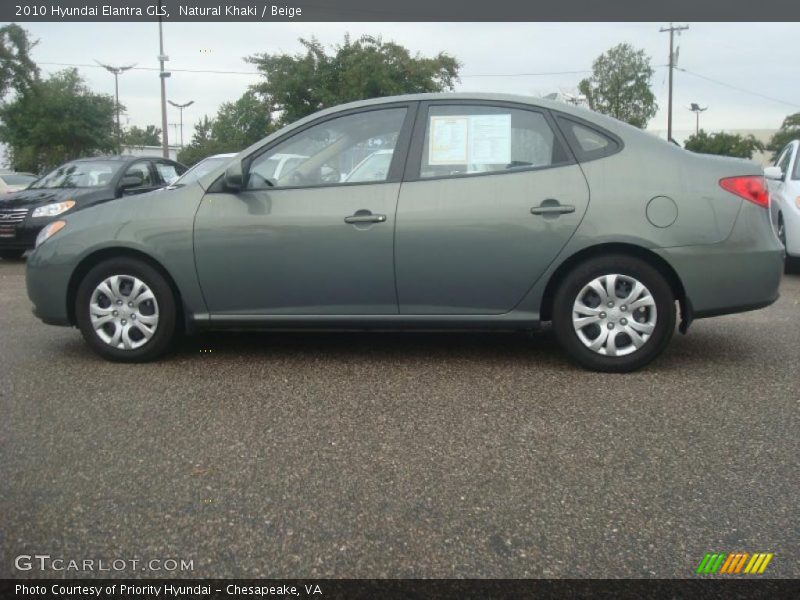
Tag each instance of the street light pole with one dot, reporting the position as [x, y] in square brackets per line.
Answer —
[695, 108]
[180, 107]
[163, 74]
[116, 72]
[672, 31]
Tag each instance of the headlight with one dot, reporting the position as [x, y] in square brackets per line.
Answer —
[49, 231]
[51, 210]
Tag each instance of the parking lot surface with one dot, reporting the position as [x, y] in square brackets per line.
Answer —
[400, 455]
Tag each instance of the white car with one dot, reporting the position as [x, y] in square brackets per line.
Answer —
[783, 179]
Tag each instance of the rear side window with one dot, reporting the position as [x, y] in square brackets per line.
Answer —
[469, 140]
[588, 143]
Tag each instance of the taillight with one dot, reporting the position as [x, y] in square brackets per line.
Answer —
[749, 187]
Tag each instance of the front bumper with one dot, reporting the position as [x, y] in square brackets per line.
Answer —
[47, 279]
[20, 235]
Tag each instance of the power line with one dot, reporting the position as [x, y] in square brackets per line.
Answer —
[738, 89]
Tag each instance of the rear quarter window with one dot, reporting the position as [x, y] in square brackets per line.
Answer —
[587, 141]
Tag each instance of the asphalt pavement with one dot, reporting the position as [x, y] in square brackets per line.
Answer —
[400, 455]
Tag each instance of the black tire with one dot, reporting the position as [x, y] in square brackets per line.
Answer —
[166, 328]
[582, 275]
[11, 254]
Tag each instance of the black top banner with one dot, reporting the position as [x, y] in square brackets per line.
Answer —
[396, 11]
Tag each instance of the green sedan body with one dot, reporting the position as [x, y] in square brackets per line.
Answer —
[495, 212]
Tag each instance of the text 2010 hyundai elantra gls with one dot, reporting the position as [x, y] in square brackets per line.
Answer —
[490, 212]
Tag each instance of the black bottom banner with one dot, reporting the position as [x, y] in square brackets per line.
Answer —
[400, 589]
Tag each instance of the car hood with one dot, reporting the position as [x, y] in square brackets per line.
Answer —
[38, 197]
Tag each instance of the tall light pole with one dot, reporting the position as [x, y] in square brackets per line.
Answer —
[163, 74]
[695, 108]
[672, 31]
[180, 107]
[116, 72]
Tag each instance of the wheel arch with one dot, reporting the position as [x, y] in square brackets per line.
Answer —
[98, 256]
[653, 259]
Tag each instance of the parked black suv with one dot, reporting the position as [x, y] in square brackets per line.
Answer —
[73, 186]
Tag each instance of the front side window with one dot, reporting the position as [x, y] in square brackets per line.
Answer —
[784, 159]
[83, 173]
[463, 140]
[142, 170]
[330, 152]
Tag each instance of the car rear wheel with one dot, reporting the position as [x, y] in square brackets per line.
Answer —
[126, 311]
[614, 313]
[11, 254]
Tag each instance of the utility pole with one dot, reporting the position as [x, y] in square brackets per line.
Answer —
[695, 108]
[163, 74]
[180, 107]
[116, 72]
[672, 31]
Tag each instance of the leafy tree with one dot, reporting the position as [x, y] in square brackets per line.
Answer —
[620, 85]
[298, 85]
[236, 126]
[55, 120]
[17, 69]
[790, 130]
[136, 136]
[724, 144]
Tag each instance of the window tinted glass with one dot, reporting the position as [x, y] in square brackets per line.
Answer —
[325, 154]
[588, 139]
[141, 168]
[796, 174]
[588, 143]
[484, 139]
[783, 160]
[204, 167]
[168, 172]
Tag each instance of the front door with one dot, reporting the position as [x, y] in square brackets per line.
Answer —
[492, 198]
[308, 235]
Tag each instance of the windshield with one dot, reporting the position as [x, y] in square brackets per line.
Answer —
[84, 173]
[18, 179]
[204, 167]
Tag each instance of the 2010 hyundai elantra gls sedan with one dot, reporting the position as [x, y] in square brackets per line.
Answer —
[492, 212]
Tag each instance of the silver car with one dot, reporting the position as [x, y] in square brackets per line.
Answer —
[493, 212]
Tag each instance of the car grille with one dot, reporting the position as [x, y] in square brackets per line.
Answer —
[12, 216]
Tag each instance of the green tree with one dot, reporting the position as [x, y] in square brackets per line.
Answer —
[790, 130]
[17, 69]
[620, 86]
[55, 120]
[236, 126]
[724, 144]
[298, 85]
[136, 136]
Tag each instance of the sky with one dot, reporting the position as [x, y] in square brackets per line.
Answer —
[757, 58]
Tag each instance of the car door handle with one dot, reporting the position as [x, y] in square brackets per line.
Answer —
[552, 207]
[364, 218]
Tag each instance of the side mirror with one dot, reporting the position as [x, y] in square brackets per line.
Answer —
[234, 178]
[133, 180]
[773, 173]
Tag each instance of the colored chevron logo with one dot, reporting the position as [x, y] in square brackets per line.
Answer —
[737, 563]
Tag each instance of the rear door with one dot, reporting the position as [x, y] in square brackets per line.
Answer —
[490, 197]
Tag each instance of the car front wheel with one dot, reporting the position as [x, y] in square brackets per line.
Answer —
[126, 310]
[614, 313]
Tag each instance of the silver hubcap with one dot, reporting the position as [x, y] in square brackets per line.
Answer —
[614, 315]
[124, 312]
[781, 232]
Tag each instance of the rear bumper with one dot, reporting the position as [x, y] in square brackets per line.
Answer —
[739, 274]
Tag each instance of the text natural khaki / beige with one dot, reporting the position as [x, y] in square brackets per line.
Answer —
[239, 11]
